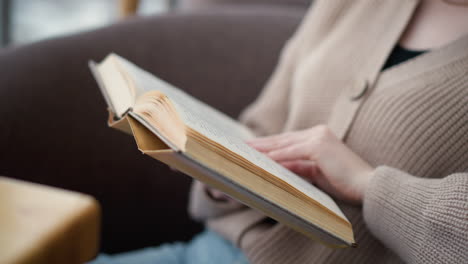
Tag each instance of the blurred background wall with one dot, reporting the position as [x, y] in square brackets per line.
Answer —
[24, 21]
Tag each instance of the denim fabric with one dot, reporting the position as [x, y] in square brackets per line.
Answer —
[205, 248]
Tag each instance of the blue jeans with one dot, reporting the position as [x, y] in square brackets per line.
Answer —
[206, 248]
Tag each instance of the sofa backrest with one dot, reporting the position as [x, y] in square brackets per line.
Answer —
[205, 3]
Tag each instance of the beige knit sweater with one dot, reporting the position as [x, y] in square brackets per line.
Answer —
[409, 121]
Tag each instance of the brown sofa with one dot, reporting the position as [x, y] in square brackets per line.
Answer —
[53, 118]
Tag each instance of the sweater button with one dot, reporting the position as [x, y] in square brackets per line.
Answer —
[358, 90]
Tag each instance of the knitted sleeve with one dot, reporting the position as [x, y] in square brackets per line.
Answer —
[422, 220]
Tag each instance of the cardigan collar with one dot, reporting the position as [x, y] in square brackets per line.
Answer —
[454, 54]
[383, 28]
[370, 79]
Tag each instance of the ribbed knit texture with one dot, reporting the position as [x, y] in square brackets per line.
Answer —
[431, 220]
[412, 125]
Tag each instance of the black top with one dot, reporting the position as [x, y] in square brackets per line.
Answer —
[399, 55]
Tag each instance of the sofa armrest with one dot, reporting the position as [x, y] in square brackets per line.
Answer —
[41, 224]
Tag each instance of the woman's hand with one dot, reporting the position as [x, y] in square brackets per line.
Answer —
[320, 157]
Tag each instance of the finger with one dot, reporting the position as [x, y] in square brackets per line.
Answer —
[299, 151]
[268, 144]
[260, 140]
[309, 171]
[304, 168]
[218, 195]
[266, 138]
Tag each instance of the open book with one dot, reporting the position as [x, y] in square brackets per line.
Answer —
[183, 132]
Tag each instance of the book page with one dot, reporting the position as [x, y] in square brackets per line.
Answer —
[119, 98]
[223, 130]
[145, 82]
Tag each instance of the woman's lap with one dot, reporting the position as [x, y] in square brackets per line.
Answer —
[205, 248]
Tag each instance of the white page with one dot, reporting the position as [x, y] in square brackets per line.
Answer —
[145, 81]
[223, 130]
[119, 98]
